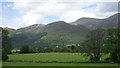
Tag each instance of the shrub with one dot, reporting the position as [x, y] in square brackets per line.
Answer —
[108, 60]
[25, 49]
[4, 56]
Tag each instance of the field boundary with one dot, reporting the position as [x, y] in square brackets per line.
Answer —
[56, 61]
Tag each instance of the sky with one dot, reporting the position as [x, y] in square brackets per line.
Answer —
[22, 13]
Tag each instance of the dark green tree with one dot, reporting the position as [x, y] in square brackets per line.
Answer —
[93, 44]
[113, 43]
[40, 50]
[25, 49]
[4, 56]
[6, 41]
[6, 44]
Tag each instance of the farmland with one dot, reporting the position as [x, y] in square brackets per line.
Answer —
[53, 59]
[49, 57]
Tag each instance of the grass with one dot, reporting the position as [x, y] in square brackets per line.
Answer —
[56, 64]
[49, 57]
[57, 59]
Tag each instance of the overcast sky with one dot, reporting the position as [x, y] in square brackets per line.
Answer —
[22, 13]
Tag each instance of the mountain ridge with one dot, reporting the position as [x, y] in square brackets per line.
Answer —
[94, 23]
[85, 19]
[59, 32]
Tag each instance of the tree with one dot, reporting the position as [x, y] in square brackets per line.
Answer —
[48, 49]
[93, 44]
[25, 49]
[6, 44]
[61, 49]
[112, 45]
[40, 49]
[6, 41]
[72, 48]
[4, 56]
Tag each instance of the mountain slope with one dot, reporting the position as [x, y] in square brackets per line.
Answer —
[26, 38]
[32, 28]
[92, 23]
[11, 31]
[61, 31]
[53, 34]
[62, 26]
[111, 22]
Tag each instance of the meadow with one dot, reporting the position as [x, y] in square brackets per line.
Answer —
[55, 64]
[53, 59]
[49, 57]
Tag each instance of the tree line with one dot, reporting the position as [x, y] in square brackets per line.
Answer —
[27, 49]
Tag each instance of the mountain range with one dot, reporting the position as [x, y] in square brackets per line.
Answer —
[59, 33]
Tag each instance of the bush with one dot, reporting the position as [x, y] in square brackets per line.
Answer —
[108, 60]
[114, 57]
[25, 49]
[4, 56]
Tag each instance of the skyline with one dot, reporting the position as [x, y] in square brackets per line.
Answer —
[21, 14]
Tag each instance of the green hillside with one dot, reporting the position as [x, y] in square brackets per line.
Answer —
[54, 34]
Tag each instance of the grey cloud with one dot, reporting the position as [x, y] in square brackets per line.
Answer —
[108, 7]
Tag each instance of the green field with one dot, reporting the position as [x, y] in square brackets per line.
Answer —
[56, 64]
[49, 57]
[52, 59]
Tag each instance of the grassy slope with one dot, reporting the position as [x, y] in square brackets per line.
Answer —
[56, 38]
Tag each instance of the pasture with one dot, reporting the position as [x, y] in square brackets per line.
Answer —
[53, 59]
[55, 64]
